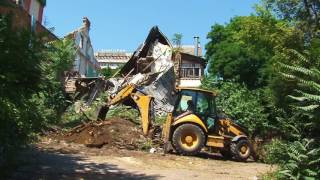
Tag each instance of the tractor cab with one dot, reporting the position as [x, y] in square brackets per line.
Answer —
[198, 102]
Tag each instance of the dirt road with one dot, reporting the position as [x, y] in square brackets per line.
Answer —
[59, 160]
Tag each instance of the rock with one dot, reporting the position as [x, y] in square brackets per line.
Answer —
[152, 150]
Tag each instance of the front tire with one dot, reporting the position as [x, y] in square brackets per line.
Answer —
[241, 150]
[188, 139]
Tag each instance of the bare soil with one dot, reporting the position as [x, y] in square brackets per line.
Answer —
[51, 159]
[74, 155]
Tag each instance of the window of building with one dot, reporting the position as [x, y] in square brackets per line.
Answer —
[190, 70]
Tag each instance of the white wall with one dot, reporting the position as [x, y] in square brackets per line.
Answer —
[190, 83]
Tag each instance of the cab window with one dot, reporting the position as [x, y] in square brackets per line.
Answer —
[203, 107]
[187, 102]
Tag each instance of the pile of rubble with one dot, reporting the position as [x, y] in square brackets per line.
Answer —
[112, 133]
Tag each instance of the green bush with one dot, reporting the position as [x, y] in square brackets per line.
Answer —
[30, 87]
[297, 160]
[275, 152]
[125, 112]
[145, 144]
[20, 80]
[303, 152]
[304, 160]
[160, 120]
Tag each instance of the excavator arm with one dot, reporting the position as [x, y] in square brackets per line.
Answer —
[142, 101]
[122, 95]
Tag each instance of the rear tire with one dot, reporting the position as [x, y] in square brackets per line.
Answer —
[241, 150]
[188, 139]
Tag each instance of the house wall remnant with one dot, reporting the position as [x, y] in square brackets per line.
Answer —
[85, 63]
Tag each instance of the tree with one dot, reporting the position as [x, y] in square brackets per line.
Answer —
[304, 14]
[20, 59]
[107, 72]
[20, 79]
[32, 95]
[298, 158]
[243, 49]
[307, 93]
[177, 39]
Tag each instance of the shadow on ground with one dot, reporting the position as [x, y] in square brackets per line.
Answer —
[217, 156]
[38, 164]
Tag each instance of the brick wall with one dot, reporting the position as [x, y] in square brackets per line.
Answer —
[21, 19]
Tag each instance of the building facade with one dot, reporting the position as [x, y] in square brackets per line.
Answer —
[34, 8]
[189, 64]
[22, 16]
[85, 63]
[112, 59]
[190, 69]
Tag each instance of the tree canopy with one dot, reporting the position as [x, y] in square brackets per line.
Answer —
[243, 49]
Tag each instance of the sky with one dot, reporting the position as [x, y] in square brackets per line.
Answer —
[124, 24]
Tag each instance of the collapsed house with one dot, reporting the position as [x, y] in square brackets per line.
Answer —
[151, 67]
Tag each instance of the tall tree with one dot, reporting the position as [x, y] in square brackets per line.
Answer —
[243, 49]
[305, 14]
[307, 93]
[177, 39]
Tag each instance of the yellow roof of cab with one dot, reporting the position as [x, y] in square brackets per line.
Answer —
[197, 89]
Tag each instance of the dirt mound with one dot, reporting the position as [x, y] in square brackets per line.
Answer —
[114, 132]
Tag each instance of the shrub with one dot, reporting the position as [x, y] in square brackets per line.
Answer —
[125, 112]
[304, 161]
[145, 144]
[275, 152]
[30, 88]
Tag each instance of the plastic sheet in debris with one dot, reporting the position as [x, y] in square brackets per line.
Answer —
[161, 90]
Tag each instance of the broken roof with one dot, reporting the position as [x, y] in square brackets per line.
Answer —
[142, 51]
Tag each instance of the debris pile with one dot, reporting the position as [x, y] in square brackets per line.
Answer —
[111, 133]
[151, 68]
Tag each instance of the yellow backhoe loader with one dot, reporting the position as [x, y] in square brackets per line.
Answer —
[193, 124]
